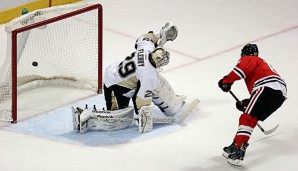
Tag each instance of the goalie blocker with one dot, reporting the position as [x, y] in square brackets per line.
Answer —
[84, 120]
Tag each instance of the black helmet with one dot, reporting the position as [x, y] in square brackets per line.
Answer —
[250, 49]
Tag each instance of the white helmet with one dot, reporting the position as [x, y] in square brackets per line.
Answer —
[159, 57]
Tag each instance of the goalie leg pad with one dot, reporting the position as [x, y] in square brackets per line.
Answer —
[111, 120]
[165, 98]
[84, 120]
[146, 119]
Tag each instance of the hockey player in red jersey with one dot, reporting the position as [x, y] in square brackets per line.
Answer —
[268, 92]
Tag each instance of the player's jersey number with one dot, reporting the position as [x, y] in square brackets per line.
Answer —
[127, 67]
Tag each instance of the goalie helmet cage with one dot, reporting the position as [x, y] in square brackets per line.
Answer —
[56, 46]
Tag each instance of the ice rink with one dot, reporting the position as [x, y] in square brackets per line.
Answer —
[211, 35]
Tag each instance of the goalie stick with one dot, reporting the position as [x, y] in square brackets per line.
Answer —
[192, 105]
[261, 128]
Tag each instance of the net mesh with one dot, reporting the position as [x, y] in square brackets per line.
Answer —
[63, 53]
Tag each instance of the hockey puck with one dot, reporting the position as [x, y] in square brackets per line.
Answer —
[34, 63]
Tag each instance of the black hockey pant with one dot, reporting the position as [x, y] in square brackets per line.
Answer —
[263, 102]
[122, 101]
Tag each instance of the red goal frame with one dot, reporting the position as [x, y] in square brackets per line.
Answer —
[45, 22]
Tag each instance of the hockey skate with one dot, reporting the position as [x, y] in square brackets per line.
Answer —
[168, 32]
[229, 150]
[237, 157]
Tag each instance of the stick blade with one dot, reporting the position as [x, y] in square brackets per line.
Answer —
[271, 130]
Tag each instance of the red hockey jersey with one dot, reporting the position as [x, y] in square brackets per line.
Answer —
[257, 73]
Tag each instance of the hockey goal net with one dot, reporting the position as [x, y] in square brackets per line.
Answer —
[57, 46]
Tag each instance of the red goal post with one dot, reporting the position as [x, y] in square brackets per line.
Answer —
[57, 46]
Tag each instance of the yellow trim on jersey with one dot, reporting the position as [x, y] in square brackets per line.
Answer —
[152, 37]
[142, 102]
[129, 83]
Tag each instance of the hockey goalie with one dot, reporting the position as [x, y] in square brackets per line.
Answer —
[137, 77]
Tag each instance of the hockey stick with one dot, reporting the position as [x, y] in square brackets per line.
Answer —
[261, 128]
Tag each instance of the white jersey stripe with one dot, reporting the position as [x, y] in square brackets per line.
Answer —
[253, 100]
[244, 130]
[239, 72]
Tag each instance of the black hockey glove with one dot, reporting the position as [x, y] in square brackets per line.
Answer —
[224, 87]
[241, 106]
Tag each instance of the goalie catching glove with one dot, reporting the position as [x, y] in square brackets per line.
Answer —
[168, 32]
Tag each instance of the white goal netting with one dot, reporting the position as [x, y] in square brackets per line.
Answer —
[57, 46]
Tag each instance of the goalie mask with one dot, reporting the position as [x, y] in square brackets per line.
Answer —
[159, 57]
[250, 49]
